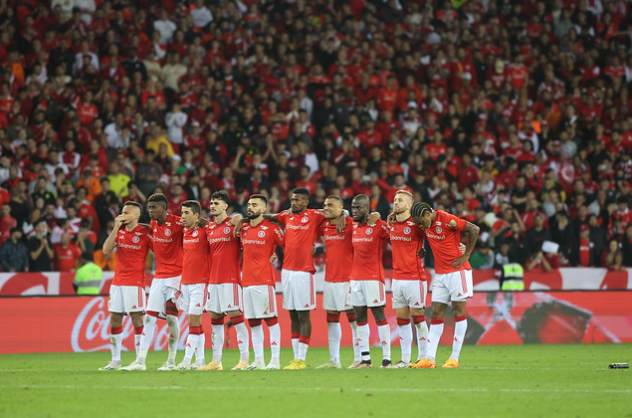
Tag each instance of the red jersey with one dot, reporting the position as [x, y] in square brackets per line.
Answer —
[167, 239]
[194, 256]
[301, 230]
[406, 239]
[338, 251]
[224, 253]
[131, 255]
[368, 246]
[66, 257]
[259, 243]
[444, 237]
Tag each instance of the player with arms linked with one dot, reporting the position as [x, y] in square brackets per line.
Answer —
[453, 279]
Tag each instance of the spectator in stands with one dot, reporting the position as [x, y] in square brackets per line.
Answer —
[67, 254]
[40, 249]
[13, 254]
[612, 258]
[482, 258]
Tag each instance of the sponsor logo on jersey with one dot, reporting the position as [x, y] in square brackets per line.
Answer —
[369, 231]
[290, 226]
[131, 247]
[407, 230]
[439, 230]
[226, 230]
[439, 237]
[167, 232]
[135, 240]
[261, 234]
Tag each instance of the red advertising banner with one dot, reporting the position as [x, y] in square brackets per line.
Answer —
[55, 283]
[76, 324]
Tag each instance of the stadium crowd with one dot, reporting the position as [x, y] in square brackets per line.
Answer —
[515, 115]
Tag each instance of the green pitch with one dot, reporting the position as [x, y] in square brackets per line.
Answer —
[508, 381]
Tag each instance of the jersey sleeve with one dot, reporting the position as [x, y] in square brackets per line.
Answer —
[279, 236]
[282, 217]
[384, 230]
[455, 223]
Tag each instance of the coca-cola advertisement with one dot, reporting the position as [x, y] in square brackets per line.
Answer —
[65, 324]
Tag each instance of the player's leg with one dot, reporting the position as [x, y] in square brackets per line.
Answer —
[116, 339]
[295, 328]
[236, 315]
[419, 320]
[194, 319]
[351, 317]
[137, 322]
[174, 299]
[384, 332]
[288, 304]
[334, 333]
[303, 300]
[460, 286]
[364, 333]
[275, 343]
[256, 330]
[402, 311]
[259, 302]
[440, 300]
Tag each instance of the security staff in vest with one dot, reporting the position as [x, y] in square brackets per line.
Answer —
[88, 277]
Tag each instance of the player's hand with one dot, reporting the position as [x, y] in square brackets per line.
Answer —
[234, 219]
[390, 219]
[202, 222]
[340, 223]
[373, 218]
[273, 258]
[458, 262]
[421, 253]
[237, 230]
[119, 221]
[313, 249]
[462, 248]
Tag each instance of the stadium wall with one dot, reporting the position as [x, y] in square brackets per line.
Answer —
[78, 324]
[55, 283]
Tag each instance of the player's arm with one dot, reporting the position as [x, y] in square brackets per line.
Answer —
[110, 242]
[271, 216]
[147, 227]
[473, 232]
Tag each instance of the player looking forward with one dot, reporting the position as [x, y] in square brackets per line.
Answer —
[259, 239]
[195, 273]
[127, 293]
[453, 279]
[367, 280]
[166, 235]
[224, 289]
[336, 294]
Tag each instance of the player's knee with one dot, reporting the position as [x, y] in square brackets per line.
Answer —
[217, 321]
[333, 317]
[172, 321]
[378, 314]
[272, 321]
[254, 322]
[303, 316]
[438, 312]
[403, 321]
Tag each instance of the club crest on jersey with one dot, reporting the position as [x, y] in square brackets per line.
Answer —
[407, 230]
[226, 230]
[135, 240]
[439, 230]
[168, 232]
[305, 219]
[195, 233]
[369, 231]
[261, 234]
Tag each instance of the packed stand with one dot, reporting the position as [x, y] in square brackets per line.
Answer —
[514, 115]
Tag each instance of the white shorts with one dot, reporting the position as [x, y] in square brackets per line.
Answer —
[224, 297]
[455, 287]
[299, 293]
[409, 293]
[337, 296]
[126, 299]
[162, 291]
[260, 302]
[193, 298]
[369, 293]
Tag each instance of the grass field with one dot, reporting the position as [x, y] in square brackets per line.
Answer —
[494, 381]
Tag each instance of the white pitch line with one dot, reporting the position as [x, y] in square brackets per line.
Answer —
[319, 389]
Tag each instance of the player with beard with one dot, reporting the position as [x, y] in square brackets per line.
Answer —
[224, 289]
[336, 294]
[452, 282]
[259, 238]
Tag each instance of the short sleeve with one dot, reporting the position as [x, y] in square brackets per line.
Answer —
[279, 236]
[282, 217]
[454, 223]
[384, 230]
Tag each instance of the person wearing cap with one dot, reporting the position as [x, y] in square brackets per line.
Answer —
[13, 254]
[88, 277]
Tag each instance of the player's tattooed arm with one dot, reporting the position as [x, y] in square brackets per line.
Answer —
[473, 232]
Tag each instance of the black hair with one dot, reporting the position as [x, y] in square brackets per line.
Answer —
[419, 209]
[221, 195]
[135, 204]
[302, 191]
[337, 198]
[194, 205]
[159, 198]
[260, 196]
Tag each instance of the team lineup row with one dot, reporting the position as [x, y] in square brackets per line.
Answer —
[225, 267]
